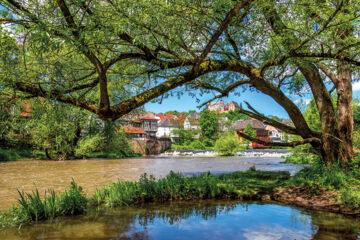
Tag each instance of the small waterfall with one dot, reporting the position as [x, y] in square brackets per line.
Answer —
[211, 153]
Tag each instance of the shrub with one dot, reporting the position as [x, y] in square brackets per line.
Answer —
[88, 145]
[197, 145]
[227, 145]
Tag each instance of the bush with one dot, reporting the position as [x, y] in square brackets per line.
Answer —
[227, 145]
[88, 145]
[197, 145]
[15, 154]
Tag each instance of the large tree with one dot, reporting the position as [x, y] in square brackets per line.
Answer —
[130, 52]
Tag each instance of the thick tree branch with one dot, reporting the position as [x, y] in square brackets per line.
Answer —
[224, 92]
[329, 73]
[104, 95]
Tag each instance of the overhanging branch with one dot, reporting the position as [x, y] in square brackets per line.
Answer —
[288, 144]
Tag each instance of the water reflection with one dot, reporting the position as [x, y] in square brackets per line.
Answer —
[199, 220]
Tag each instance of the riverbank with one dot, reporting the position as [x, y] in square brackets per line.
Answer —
[315, 188]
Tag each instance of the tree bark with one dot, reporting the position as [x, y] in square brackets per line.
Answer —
[345, 112]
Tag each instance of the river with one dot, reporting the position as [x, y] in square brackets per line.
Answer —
[212, 219]
[92, 174]
[206, 220]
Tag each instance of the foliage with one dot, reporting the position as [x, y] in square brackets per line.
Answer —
[143, 50]
[116, 143]
[356, 139]
[197, 145]
[302, 159]
[56, 128]
[32, 208]
[72, 202]
[87, 145]
[249, 130]
[227, 144]
[356, 109]
[11, 155]
[185, 136]
[235, 115]
[208, 122]
[238, 185]
[344, 180]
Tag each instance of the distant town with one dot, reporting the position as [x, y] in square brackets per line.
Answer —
[149, 126]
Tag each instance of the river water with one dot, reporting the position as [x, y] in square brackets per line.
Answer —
[208, 220]
[92, 174]
[195, 220]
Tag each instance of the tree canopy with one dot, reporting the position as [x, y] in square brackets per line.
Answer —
[110, 57]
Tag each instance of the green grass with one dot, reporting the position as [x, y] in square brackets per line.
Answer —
[238, 185]
[344, 180]
[248, 185]
[20, 154]
[111, 155]
[31, 208]
[302, 159]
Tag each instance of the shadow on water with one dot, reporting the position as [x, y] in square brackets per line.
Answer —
[196, 220]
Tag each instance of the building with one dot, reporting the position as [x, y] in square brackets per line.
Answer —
[222, 106]
[275, 134]
[261, 132]
[192, 121]
[135, 132]
[166, 127]
[149, 125]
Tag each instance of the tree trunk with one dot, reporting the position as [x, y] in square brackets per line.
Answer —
[345, 112]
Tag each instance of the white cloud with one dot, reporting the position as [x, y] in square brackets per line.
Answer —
[356, 86]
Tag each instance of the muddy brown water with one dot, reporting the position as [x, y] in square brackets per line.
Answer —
[92, 174]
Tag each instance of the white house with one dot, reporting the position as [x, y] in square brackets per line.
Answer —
[276, 134]
[165, 128]
[192, 121]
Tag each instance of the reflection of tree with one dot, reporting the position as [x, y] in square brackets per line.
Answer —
[122, 222]
[175, 212]
[134, 222]
[333, 226]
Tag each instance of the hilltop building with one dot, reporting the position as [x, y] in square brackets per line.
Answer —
[222, 106]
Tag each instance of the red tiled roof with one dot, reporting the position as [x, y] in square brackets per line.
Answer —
[133, 130]
[148, 118]
[165, 116]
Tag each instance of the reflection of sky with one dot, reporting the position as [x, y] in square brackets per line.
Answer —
[263, 222]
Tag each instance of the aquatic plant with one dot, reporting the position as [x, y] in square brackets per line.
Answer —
[238, 185]
[33, 208]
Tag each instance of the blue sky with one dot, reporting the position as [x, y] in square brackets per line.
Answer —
[259, 101]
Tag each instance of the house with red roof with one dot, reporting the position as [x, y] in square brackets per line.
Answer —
[258, 126]
[134, 132]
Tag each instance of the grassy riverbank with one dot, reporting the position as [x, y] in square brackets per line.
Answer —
[20, 154]
[336, 187]
[251, 184]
